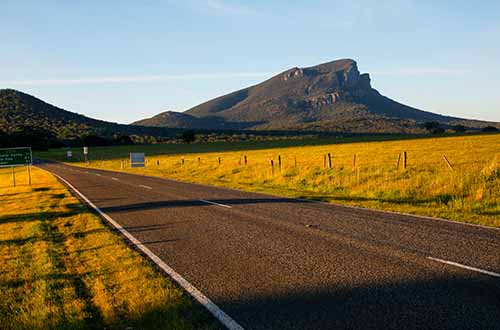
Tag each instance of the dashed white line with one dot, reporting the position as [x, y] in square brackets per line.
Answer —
[146, 187]
[215, 310]
[456, 264]
[214, 203]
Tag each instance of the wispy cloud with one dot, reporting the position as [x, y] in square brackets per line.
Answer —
[133, 79]
[421, 72]
[225, 7]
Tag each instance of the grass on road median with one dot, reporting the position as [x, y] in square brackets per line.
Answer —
[62, 268]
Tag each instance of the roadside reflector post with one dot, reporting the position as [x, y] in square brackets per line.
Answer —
[13, 176]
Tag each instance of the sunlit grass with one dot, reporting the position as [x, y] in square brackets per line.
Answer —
[62, 268]
[470, 192]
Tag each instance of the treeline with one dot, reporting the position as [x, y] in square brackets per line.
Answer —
[40, 139]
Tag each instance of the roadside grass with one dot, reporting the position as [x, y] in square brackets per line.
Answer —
[470, 192]
[62, 268]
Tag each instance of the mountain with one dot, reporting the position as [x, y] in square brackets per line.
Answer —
[20, 112]
[332, 96]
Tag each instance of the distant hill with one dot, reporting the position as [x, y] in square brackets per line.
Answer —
[24, 114]
[332, 96]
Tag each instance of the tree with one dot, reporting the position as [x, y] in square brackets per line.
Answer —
[188, 136]
[489, 129]
[459, 128]
[434, 127]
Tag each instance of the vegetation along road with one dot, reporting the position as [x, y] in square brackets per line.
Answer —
[277, 263]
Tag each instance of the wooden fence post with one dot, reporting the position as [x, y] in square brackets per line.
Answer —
[405, 160]
[199, 160]
[448, 162]
[279, 162]
[182, 160]
[272, 166]
[157, 162]
[329, 160]
[354, 162]
[245, 157]
[218, 159]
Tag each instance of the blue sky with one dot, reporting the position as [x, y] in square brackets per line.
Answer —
[126, 60]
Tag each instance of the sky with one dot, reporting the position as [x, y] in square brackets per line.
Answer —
[123, 61]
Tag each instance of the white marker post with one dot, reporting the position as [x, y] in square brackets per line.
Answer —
[86, 153]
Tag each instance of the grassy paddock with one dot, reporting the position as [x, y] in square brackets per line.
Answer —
[470, 192]
[62, 268]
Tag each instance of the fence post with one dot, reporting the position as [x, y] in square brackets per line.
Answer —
[199, 160]
[448, 162]
[405, 160]
[245, 159]
[272, 167]
[295, 161]
[182, 160]
[354, 162]
[279, 162]
[29, 173]
[218, 159]
[329, 160]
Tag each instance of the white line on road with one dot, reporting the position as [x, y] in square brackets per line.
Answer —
[214, 203]
[113, 178]
[456, 264]
[146, 187]
[98, 174]
[215, 310]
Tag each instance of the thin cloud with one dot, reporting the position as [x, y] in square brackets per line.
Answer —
[133, 79]
[422, 72]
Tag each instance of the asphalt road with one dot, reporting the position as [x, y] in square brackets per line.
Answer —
[278, 263]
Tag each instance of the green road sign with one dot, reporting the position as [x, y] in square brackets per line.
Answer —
[15, 157]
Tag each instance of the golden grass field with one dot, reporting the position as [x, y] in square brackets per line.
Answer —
[62, 268]
[469, 192]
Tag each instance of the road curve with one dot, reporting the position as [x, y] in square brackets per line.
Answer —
[279, 263]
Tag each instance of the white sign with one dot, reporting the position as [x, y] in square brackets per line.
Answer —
[85, 150]
[137, 159]
[69, 153]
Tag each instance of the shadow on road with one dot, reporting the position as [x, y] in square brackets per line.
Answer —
[439, 303]
[194, 202]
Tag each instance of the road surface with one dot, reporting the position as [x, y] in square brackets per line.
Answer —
[279, 263]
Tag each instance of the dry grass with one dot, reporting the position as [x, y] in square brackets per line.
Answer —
[469, 193]
[61, 268]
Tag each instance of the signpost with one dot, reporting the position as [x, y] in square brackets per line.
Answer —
[12, 157]
[86, 154]
[137, 159]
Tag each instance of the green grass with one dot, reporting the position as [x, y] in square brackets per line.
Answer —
[62, 268]
[468, 193]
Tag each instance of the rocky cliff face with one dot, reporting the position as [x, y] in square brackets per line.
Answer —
[333, 95]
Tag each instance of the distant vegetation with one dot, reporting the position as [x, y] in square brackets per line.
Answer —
[456, 178]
